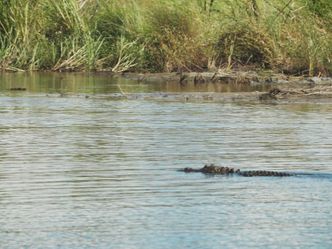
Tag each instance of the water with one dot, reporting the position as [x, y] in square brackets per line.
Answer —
[81, 172]
[100, 83]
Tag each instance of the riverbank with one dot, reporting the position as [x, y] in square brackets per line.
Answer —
[272, 87]
[223, 86]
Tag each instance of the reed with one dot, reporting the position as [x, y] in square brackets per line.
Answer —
[290, 36]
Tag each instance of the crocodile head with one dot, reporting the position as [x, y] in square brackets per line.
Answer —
[188, 170]
[212, 169]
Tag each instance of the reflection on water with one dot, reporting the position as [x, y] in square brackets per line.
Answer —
[94, 173]
[106, 83]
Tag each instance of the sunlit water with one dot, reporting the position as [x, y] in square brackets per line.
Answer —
[81, 172]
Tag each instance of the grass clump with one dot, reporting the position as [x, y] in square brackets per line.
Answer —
[174, 39]
[118, 23]
[69, 36]
[241, 46]
[19, 41]
[302, 42]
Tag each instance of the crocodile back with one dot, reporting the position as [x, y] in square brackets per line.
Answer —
[262, 173]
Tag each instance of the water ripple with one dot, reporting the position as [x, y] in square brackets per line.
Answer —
[85, 173]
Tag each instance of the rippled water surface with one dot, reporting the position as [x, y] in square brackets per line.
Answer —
[81, 172]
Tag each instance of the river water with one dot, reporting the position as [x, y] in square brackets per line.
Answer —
[80, 172]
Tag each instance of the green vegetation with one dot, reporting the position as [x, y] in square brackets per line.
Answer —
[291, 36]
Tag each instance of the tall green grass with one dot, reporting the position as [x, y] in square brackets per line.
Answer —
[290, 36]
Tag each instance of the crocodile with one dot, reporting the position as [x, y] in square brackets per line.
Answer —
[220, 170]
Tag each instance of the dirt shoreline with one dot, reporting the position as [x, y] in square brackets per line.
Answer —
[224, 87]
[280, 87]
[223, 77]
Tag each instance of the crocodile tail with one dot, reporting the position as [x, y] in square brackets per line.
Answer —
[251, 173]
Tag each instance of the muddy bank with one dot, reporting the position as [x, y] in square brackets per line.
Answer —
[272, 87]
[274, 96]
[234, 86]
[231, 77]
[320, 92]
